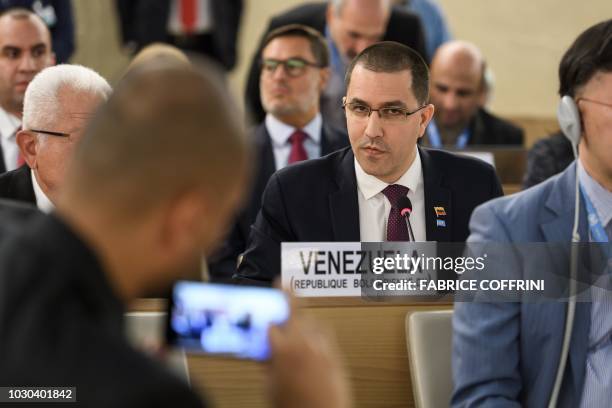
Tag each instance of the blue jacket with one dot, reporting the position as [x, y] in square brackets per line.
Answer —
[506, 354]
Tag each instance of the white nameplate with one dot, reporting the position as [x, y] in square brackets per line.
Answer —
[354, 269]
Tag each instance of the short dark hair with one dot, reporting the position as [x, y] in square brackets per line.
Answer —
[391, 56]
[590, 52]
[318, 44]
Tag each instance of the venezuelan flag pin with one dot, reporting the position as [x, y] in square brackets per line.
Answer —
[440, 211]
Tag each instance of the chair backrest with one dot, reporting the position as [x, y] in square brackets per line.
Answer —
[146, 329]
[429, 341]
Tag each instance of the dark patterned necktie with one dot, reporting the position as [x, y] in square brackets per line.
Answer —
[397, 230]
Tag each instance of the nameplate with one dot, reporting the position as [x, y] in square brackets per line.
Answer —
[356, 269]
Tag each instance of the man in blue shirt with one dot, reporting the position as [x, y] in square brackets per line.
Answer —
[509, 354]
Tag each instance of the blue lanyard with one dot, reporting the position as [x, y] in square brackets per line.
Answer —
[436, 141]
[598, 233]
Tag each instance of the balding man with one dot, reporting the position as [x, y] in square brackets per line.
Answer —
[57, 106]
[25, 50]
[124, 226]
[458, 91]
[349, 27]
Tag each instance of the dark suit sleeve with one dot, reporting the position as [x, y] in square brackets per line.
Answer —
[63, 30]
[541, 163]
[222, 265]
[125, 12]
[261, 261]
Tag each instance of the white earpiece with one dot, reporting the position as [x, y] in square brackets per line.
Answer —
[569, 119]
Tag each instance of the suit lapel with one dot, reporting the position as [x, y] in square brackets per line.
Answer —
[332, 140]
[435, 196]
[343, 203]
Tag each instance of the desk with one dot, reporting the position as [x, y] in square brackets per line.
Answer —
[370, 335]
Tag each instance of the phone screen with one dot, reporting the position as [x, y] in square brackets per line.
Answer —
[224, 319]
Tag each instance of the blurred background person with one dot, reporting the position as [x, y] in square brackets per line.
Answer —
[547, 157]
[57, 107]
[295, 70]
[458, 91]
[208, 27]
[433, 21]
[349, 26]
[25, 50]
[58, 16]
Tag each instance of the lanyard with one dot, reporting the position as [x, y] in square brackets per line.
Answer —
[598, 234]
[436, 141]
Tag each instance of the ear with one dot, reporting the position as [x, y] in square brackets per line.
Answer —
[425, 117]
[52, 59]
[28, 146]
[329, 14]
[324, 75]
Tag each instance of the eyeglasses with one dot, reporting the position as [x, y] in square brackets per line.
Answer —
[609, 105]
[48, 132]
[293, 67]
[387, 114]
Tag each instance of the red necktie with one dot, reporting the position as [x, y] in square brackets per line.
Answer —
[298, 153]
[188, 15]
[397, 230]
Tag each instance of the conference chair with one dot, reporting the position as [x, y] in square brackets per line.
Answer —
[429, 341]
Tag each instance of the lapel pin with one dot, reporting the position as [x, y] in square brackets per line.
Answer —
[440, 212]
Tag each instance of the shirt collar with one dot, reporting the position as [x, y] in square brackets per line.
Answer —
[280, 132]
[9, 123]
[370, 185]
[599, 196]
[42, 201]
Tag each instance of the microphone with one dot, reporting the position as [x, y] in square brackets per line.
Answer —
[404, 205]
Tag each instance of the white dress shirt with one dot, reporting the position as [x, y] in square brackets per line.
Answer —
[280, 132]
[374, 207]
[8, 127]
[42, 201]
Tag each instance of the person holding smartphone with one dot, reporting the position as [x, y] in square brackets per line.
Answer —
[153, 183]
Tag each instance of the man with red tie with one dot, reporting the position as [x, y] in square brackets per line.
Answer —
[356, 193]
[25, 50]
[294, 62]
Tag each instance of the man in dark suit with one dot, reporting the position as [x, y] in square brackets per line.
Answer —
[349, 26]
[547, 157]
[208, 27]
[295, 62]
[58, 16]
[49, 135]
[26, 41]
[353, 194]
[458, 91]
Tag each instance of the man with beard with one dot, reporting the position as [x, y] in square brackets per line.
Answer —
[353, 194]
[458, 91]
[295, 69]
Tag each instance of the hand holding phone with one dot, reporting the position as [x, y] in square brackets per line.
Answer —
[305, 367]
[224, 319]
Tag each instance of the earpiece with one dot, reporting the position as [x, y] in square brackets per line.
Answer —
[569, 119]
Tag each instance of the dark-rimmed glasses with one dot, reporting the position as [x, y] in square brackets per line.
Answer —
[386, 113]
[293, 67]
[49, 132]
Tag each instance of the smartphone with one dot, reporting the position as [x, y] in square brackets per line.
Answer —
[224, 319]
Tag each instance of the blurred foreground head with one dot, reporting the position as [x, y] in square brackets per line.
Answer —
[159, 172]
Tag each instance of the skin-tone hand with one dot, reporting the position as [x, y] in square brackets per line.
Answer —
[305, 369]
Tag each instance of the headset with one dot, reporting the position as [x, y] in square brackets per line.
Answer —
[570, 123]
